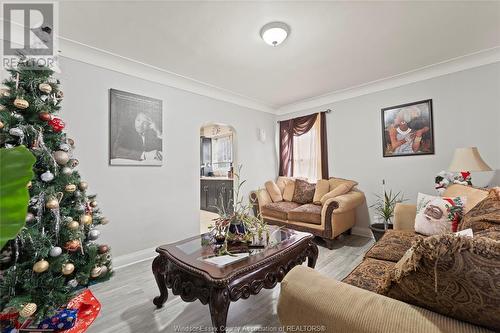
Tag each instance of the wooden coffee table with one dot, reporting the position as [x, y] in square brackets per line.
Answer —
[181, 267]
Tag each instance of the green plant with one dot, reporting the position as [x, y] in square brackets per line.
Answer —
[384, 204]
[16, 170]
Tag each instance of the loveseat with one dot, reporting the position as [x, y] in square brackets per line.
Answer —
[329, 212]
[408, 282]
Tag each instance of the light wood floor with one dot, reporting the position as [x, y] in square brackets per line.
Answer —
[127, 298]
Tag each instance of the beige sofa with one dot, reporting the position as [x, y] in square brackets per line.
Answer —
[336, 216]
[408, 282]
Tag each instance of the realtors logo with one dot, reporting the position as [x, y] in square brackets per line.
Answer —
[29, 30]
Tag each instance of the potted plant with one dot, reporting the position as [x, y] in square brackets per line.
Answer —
[384, 209]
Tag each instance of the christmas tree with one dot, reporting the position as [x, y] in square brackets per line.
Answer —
[55, 255]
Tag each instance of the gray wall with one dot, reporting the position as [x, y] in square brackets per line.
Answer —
[466, 113]
[150, 206]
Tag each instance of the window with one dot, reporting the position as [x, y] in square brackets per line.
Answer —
[222, 154]
[306, 154]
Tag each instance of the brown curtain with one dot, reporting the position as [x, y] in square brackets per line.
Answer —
[323, 146]
[288, 129]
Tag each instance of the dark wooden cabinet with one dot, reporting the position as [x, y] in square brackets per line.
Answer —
[214, 193]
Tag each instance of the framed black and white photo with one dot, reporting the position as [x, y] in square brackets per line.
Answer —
[407, 129]
[136, 129]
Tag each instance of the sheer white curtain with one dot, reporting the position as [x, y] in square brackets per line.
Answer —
[307, 153]
[222, 154]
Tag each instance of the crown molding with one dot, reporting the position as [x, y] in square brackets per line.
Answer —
[108, 60]
[472, 60]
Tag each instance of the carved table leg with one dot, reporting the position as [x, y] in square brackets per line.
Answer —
[219, 305]
[160, 273]
[312, 254]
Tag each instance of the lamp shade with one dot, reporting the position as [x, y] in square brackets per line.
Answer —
[468, 159]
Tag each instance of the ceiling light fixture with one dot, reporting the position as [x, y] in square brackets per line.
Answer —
[275, 33]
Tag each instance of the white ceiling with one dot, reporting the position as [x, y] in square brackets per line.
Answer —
[332, 45]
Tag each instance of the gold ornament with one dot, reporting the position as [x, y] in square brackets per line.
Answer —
[61, 157]
[95, 272]
[70, 188]
[28, 310]
[21, 103]
[73, 225]
[83, 186]
[52, 204]
[1, 125]
[93, 204]
[86, 219]
[68, 268]
[104, 220]
[72, 245]
[45, 87]
[29, 185]
[41, 266]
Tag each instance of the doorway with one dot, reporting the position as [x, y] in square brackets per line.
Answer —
[217, 162]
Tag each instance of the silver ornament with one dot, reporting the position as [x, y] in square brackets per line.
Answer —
[77, 194]
[104, 270]
[47, 176]
[15, 131]
[55, 251]
[61, 157]
[73, 283]
[30, 217]
[67, 171]
[64, 147]
[94, 234]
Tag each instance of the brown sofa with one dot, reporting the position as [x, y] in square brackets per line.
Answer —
[408, 282]
[336, 216]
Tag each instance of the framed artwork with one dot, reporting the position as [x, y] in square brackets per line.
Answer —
[407, 129]
[136, 129]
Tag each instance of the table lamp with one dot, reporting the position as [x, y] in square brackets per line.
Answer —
[466, 160]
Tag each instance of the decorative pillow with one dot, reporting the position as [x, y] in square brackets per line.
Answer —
[289, 190]
[304, 192]
[484, 215]
[334, 182]
[322, 188]
[342, 188]
[274, 191]
[438, 215]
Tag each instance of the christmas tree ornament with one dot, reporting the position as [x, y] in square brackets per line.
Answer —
[95, 272]
[64, 147]
[55, 251]
[73, 283]
[41, 266]
[29, 185]
[57, 124]
[68, 219]
[47, 176]
[104, 270]
[73, 163]
[94, 234]
[30, 217]
[77, 194]
[16, 131]
[93, 204]
[44, 116]
[45, 87]
[52, 203]
[1, 125]
[68, 268]
[102, 249]
[67, 171]
[73, 225]
[86, 219]
[71, 142]
[70, 188]
[2, 107]
[4, 92]
[28, 310]
[61, 157]
[83, 185]
[72, 245]
[21, 103]
[104, 220]
[60, 95]
[17, 116]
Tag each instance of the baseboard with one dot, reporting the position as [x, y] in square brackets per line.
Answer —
[133, 258]
[362, 231]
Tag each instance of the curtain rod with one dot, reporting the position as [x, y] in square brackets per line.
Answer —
[326, 111]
